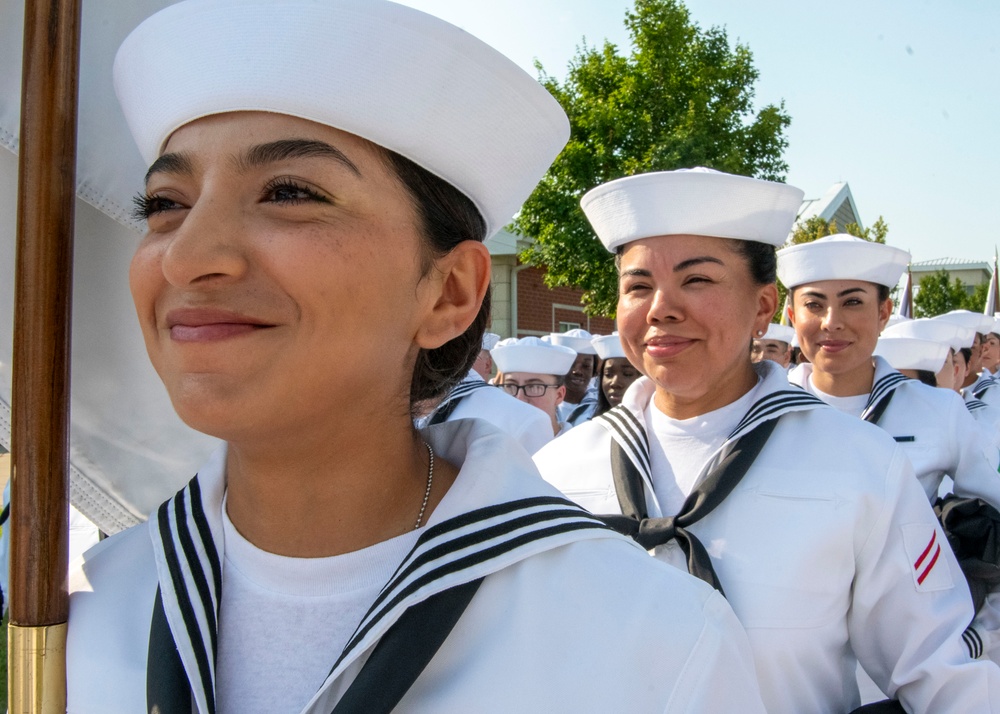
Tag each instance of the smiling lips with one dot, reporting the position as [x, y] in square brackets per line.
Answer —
[833, 346]
[664, 346]
[208, 325]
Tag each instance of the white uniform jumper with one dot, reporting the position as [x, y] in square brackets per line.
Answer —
[575, 414]
[935, 430]
[827, 550]
[569, 615]
[985, 388]
[987, 417]
[473, 398]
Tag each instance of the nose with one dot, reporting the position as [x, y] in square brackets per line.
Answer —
[522, 396]
[662, 308]
[831, 319]
[206, 248]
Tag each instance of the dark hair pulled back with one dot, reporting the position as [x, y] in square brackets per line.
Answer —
[447, 218]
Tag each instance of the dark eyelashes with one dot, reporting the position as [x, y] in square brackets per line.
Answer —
[280, 184]
[279, 190]
[143, 206]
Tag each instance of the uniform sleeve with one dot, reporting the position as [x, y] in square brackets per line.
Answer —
[719, 675]
[976, 459]
[910, 607]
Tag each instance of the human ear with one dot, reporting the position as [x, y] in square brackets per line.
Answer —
[884, 311]
[458, 282]
[561, 395]
[767, 303]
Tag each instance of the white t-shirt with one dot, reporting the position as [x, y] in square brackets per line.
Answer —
[680, 448]
[849, 405]
[284, 621]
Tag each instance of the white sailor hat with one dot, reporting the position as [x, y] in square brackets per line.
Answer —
[912, 353]
[608, 346]
[966, 318]
[490, 340]
[949, 333]
[841, 257]
[576, 339]
[996, 327]
[697, 201]
[396, 76]
[531, 354]
[896, 318]
[781, 333]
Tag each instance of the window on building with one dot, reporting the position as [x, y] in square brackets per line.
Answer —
[567, 326]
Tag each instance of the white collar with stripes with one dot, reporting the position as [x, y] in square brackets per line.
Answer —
[885, 381]
[481, 526]
[627, 425]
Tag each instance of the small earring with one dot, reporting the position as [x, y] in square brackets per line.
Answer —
[759, 333]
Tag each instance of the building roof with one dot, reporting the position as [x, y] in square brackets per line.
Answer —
[836, 204]
[929, 266]
[505, 243]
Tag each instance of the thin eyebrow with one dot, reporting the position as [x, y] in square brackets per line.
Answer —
[683, 265]
[284, 149]
[842, 293]
[179, 163]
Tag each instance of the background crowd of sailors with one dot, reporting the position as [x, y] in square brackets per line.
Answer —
[407, 513]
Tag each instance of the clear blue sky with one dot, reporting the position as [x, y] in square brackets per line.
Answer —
[900, 98]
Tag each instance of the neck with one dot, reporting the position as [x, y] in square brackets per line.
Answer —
[720, 393]
[307, 496]
[857, 381]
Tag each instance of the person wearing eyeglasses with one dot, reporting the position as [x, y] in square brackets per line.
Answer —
[534, 372]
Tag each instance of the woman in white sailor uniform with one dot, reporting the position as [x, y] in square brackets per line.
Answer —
[615, 372]
[839, 288]
[299, 289]
[810, 522]
[954, 337]
[978, 383]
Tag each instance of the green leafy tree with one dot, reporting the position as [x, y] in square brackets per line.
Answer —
[976, 300]
[682, 97]
[938, 295]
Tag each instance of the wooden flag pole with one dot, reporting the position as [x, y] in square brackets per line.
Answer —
[39, 604]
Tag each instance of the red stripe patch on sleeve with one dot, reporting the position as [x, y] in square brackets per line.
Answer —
[922, 544]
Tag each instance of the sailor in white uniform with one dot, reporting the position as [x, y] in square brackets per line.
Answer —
[979, 382]
[615, 373]
[548, 580]
[474, 398]
[534, 372]
[839, 289]
[581, 386]
[811, 522]
[300, 289]
[483, 366]
[950, 377]
[775, 345]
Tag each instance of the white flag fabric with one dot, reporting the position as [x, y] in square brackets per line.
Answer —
[905, 306]
[991, 306]
[128, 449]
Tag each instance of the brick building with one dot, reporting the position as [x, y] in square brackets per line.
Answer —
[523, 306]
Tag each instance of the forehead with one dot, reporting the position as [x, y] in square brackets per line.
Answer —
[773, 345]
[525, 377]
[835, 288]
[228, 134]
[670, 251]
